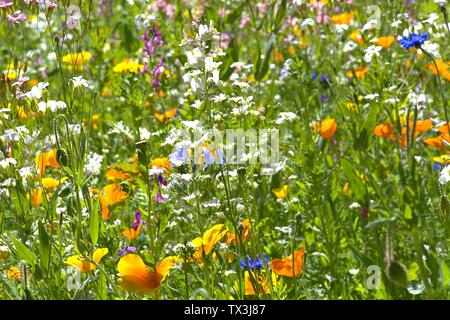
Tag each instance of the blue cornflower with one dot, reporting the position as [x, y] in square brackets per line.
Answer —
[413, 40]
[254, 264]
[437, 166]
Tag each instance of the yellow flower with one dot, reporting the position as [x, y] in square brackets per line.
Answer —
[128, 66]
[356, 37]
[84, 265]
[208, 241]
[13, 273]
[166, 116]
[50, 183]
[282, 192]
[76, 61]
[343, 18]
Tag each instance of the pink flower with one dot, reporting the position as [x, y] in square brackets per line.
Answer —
[244, 21]
[5, 4]
[16, 17]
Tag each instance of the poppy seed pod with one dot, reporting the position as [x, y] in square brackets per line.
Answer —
[396, 272]
[62, 158]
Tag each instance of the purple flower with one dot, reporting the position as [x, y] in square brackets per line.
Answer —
[137, 220]
[151, 40]
[159, 68]
[413, 40]
[127, 249]
[5, 4]
[17, 17]
[51, 5]
[161, 180]
[160, 197]
[155, 83]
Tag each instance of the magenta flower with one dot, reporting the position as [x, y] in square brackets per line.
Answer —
[16, 17]
[160, 197]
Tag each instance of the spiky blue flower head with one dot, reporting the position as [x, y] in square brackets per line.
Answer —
[254, 264]
[413, 40]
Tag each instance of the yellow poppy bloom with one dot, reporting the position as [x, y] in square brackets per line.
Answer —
[262, 278]
[128, 66]
[50, 183]
[84, 265]
[281, 192]
[208, 241]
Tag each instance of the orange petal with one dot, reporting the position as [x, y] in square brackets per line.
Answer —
[136, 276]
[283, 267]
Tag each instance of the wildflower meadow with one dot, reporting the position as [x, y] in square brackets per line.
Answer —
[224, 150]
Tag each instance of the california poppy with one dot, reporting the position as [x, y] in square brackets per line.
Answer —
[244, 231]
[326, 128]
[83, 265]
[360, 72]
[117, 174]
[343, 18]
[281, 192]
[283, 267]
[13, 273]
[262, 279]
[166, 116]
[385, 42]
[131, 234]
[208, 241]
[45, 159]
[136, 276]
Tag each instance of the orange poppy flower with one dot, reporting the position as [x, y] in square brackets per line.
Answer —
[384, 131]
[83, 265]
[360, 72]
[283, 267]
[245, 233]
[161, 163]
[437, 142]
[442, 68]
[114, 194]
[326, 127]
[137, 277]
[343, 18]
[356, 37]
[166, 116]
[132, 234]
[13, 273]
[117, 174]
[263, 282]
[385, 42]
[45, 159]
[36, 197]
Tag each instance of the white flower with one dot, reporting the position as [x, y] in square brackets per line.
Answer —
[355, 205]
[193, 56]
[307, 22]
[372, 96]
[35, 92]
[440, 2]
[432, 48]
[6, 162]
[144, 134]
[432, 18]
[285, 116]
[94, 163]
[370, 52]
[444, 178]
[79, 82]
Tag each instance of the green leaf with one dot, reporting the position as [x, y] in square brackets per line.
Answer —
[94, 223]
[281, 14]
[380, 222]
[44, 247]
[265, 64]
[22, 251]
[445, 275]
[356, 185]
